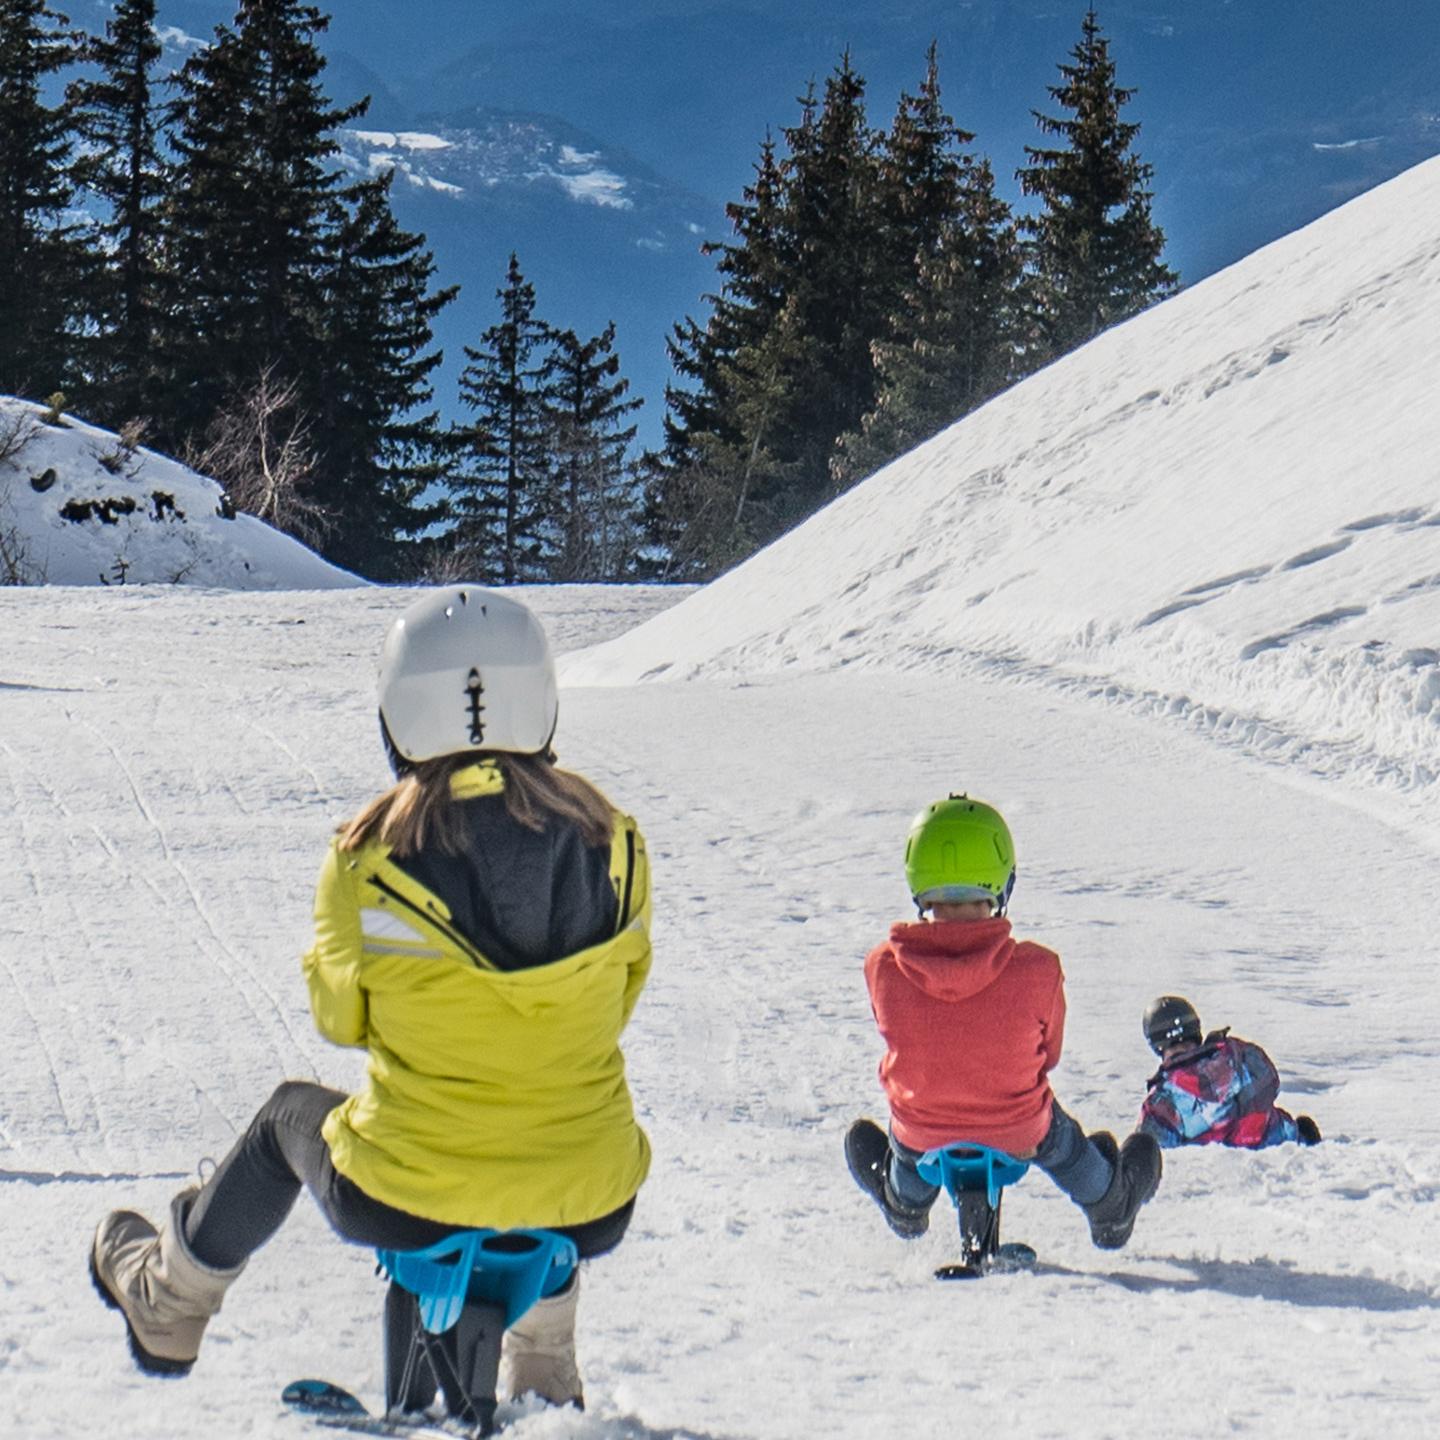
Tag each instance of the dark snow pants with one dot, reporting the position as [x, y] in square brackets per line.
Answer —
[1066, 1155]
[253, 1189]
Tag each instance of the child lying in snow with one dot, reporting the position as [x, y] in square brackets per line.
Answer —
[1219, 1090]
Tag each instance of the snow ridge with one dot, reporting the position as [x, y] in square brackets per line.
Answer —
[1226, 511]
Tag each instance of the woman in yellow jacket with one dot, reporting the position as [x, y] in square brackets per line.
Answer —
[482, 929]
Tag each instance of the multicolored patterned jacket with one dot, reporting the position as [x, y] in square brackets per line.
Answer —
[1221, 1092]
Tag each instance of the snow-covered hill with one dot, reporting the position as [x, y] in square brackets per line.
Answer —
[80, 507]
[1226, 512]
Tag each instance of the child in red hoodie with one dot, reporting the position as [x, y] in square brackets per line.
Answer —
[973, 1022]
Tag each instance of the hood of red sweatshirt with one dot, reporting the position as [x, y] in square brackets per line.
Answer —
[952, 959]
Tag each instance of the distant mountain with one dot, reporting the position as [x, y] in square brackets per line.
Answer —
[601, 236]
[484, 151]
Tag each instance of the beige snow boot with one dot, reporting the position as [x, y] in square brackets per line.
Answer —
[151, 1276]
[538, 1352]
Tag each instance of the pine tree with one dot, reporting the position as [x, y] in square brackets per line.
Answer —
[1093, 251]
[755, 272]
[499, 489]
[924, 173]
[959, 331]
[783, 367]
[246, 220]
[120, 164]
[835, 294]
[592, 488]
[44, 257]
[286, 273]
[380, 443]
[697, 486]
[950, 273]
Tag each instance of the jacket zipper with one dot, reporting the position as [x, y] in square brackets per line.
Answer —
[429, 918]
[629, 878]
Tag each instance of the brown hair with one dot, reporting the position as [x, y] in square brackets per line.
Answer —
[418, 811]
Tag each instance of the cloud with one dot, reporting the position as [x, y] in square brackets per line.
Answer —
[593, 187]
[1347, 144]
[173, 37]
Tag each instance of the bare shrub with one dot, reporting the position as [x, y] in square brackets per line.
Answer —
[16, 565]
[450, 562]
[17, 429]
[124, 457]
[258, 448]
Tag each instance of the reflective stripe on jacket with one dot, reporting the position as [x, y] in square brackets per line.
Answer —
[493, 1097]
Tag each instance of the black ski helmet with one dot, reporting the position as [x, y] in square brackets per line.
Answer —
[1171, 1020]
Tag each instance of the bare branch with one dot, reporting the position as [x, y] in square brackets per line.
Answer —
[17, 429]
[258, 448]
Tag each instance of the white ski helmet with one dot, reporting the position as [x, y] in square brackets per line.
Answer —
[467, 669]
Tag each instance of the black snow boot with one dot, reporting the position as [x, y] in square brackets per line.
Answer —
[1136, 1166]
[867, 1152]
[1309, 1130]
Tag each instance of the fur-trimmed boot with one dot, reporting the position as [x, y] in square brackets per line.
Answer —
[537, 1354]
[153, 1279]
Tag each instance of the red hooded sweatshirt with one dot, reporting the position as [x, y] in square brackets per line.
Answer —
[973, 1024]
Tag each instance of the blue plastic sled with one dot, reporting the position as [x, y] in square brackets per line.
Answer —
[975, 1177]
[448, 1308]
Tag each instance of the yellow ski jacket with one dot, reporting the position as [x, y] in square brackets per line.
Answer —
[493, 1097]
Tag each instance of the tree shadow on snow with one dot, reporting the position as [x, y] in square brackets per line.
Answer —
[1274, 1280]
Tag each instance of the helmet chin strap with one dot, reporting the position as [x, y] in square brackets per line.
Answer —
[400, 767]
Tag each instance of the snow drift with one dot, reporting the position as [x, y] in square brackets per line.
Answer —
[78, 507]
[1227, 510]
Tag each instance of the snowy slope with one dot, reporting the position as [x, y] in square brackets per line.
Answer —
[1226, 512]
[77, 508]
[172, 763]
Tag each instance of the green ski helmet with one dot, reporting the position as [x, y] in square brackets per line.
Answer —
[960, 849]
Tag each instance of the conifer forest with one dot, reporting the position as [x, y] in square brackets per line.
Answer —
[183, 260]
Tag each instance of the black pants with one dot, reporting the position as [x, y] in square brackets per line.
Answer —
[248, 1197]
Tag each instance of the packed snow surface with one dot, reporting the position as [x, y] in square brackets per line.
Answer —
[172, 764]
[1226, 512]
[1099, 605]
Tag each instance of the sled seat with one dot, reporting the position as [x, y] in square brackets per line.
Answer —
[447, 1310]
[975, 1177]
[964, 1166]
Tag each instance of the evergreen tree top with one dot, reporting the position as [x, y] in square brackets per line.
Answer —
[1089, 92]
